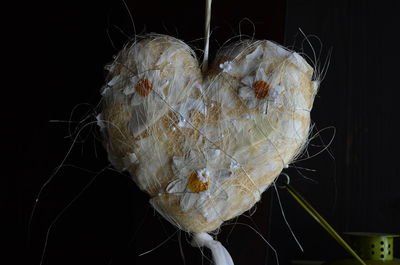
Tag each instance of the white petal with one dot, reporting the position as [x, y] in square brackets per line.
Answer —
[157, 94]
[202, 199]
[250, 63]
[216, 160]
[108, 67]
[222, 175]
[137, 99]
[247, 92]
[134, 79]
[188, 200]
[211, 133]
[211, 215]
[234, 164]
[270, 78]
[194, 158]
[251, 103]
[183, 167]
[277, 49]
[129, 89]
[248, 81]
[178, 162]
[260, 74]
[183, 123]
[276, 91]
[278, 102]
[129, 160]
[153, 75]
[163, 84]
[133, 158]
[104, 90]
[299, 61]
[222, 195]
[100, 121]
[279, 89]
[198, 86]
[213, 154]
[216, 208]
[195, 104]
[114, 80]
[185, 108]
[176, 186]
[256, 54]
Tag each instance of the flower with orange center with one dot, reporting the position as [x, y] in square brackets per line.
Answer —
[260, 90]
[198, 181]
[142, 86]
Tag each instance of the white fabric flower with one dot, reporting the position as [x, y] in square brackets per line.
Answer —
[260, 90]
[144, 85]
[198, 180]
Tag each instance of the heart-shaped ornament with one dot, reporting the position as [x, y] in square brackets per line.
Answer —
[205, 146]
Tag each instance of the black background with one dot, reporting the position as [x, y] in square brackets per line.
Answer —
[57, 56]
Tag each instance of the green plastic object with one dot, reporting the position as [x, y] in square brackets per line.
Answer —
[369, 262]
[374, 248]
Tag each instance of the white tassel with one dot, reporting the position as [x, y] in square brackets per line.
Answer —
[219, 253]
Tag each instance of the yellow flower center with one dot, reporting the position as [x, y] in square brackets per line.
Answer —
[196, 183]
[144, 87]
[262, 89]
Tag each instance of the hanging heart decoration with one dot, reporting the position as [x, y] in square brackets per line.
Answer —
[205, 146]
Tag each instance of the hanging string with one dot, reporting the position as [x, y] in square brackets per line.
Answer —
[220, 255]
[206, 35]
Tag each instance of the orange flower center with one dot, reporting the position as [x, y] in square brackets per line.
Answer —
[144, 87]
[262, 89]
[195, 184]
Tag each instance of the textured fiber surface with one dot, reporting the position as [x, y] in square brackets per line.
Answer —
[204, 146]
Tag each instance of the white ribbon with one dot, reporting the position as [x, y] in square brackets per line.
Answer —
[219, 253]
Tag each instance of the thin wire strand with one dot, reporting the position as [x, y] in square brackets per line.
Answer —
[262, 237]
[130, 17]
[286, 221]
[159, 245]
[52, 176]
[65, 209]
